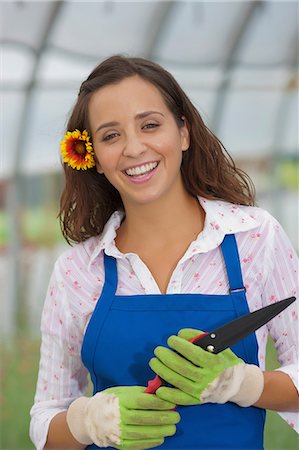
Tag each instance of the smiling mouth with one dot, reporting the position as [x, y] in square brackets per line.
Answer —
[141, 170]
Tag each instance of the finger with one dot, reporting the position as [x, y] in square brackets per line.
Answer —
[120, 390]
[230, 358]
[147, 431]
[171, 377]
[139, 444]
[192, 352]
[134, 397]
[189, 333]
[177, 363]
[158, 418]
[145, 401]
[177, 396]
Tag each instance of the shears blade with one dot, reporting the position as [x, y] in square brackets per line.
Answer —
[236, 330]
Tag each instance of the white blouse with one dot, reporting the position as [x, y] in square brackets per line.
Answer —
[270, 273]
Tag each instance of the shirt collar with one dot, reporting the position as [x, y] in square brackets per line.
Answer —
[106, 239]
[221, 218]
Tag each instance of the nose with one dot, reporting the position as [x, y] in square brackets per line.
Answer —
[133, 146]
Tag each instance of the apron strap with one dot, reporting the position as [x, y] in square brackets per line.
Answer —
[98, 317]
[110, 266]
[237, 291]
[232, 261]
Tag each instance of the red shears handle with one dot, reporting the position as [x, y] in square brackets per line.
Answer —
[157, 382]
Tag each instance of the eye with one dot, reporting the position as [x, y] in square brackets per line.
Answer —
[108, 137]
[151, 125]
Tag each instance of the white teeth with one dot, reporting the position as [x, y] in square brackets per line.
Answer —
[141, 170]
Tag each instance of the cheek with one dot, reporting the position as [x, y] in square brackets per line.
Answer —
[99, 167]
[106, 159]
[167, 142]
[171, 150]
[163, 145]
[101, 163]
[100, 155]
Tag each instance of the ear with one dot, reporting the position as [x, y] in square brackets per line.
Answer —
[185, 135]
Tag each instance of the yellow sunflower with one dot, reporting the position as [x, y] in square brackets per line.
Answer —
[77, 151]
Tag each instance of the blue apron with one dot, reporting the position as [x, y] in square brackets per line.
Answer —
[125, 329]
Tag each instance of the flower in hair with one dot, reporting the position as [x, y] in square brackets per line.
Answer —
[77, 150]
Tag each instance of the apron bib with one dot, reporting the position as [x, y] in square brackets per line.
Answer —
[125, 329]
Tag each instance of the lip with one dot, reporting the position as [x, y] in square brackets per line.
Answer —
[144, 178]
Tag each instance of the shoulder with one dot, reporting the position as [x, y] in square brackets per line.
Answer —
[268, 242]
[266, 222]
[79, 273]
[260, 215]
[235, 218]
[79, 270]
[80, 255]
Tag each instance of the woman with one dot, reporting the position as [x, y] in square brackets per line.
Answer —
[169, 243]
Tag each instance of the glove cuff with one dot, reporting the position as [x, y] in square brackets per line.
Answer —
[251, 387]
[225, 386]
[95, 420]
[75, 419]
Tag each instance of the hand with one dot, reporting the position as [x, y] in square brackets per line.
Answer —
[201, 377]
[123, 417]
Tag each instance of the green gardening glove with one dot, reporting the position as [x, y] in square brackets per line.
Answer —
[123, 417]
[197, 375]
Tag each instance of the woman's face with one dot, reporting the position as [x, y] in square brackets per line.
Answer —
[137, 142]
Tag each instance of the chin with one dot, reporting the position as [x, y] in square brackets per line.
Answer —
[142, 200]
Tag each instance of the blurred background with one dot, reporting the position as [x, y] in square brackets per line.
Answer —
[237, 61]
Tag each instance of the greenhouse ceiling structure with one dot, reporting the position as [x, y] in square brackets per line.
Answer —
[238, 62]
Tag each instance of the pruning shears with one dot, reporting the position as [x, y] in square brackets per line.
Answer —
[229, 334]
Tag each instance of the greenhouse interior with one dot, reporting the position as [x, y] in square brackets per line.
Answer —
[238, 63]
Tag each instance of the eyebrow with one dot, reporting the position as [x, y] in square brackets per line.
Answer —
[138, 116]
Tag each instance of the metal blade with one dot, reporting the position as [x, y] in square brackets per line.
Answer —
[232, 332]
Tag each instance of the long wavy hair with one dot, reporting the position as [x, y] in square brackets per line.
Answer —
[207, 169]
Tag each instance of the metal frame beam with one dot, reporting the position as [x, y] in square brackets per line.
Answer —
[159, 26]
[14, 205]
[222, 91]
[282, 117]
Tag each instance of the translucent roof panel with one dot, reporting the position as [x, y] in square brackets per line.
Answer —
[12, 104]
[61, 69]
[196, 33]
[249, 120]
[107, 27]
[24, 22]
[260, 110]
[49, 111]
[272, 36]
[17, 65]
[288, 119]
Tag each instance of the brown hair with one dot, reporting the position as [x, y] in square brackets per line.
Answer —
[207, 169]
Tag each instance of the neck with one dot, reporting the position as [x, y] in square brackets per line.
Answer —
[163, 221]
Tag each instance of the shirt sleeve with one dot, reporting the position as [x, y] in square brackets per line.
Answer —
[62, 376]
[282, 282]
